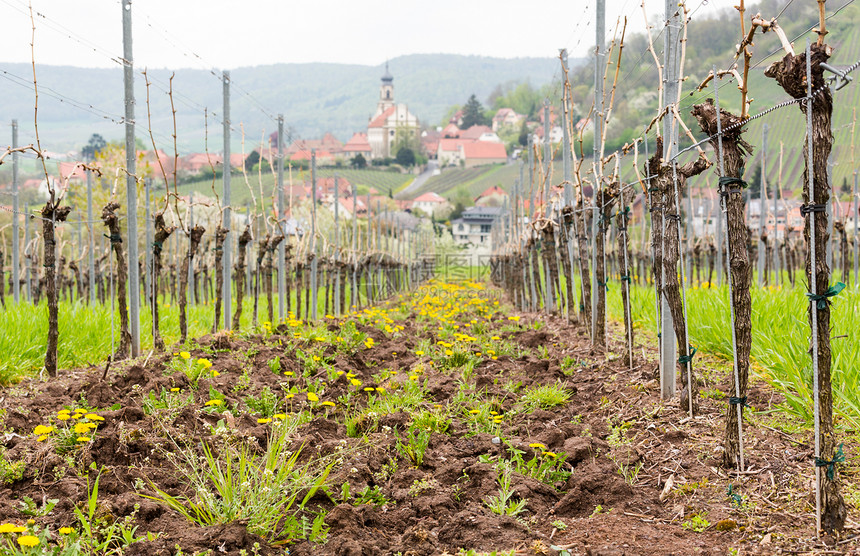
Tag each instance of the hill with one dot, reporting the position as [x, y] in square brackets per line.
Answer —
[314, 98]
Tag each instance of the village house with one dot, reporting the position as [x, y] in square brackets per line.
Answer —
[430, 203]
[493, 196]
[357, 145]
[506, 117]
[474, 225]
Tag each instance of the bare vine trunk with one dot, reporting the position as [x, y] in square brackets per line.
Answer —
[790, 73]
[665, 228]
[51, 214]
[626, 271]
[220, 236]
[194, 236]
[735, 152]
[584, 275]
[111, 220]
[162, 232]
[239, 273]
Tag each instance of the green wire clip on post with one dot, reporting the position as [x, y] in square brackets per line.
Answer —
[688, 358]
[821, 300]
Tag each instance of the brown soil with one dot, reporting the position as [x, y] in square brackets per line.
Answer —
[596, 511]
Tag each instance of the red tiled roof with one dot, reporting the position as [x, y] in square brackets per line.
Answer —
[358, 143]
[379, 121]
[451, 130]
[494, 190]
[71, 171]
[430, 197]
[502, 112]
[475, 132]
[452, 145]
[484, 150]
[305, 154]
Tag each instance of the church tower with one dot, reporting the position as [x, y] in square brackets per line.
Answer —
[386, 92]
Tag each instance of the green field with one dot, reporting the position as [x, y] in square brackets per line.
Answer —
[779, 343]
[460, 184]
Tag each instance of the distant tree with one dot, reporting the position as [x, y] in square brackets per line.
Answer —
[405, 157]
[251, 160]
[755, 183]
[523, 139]
[473, 113]
[95, 144]
[845, 189]
[358, 162]
[458, 211]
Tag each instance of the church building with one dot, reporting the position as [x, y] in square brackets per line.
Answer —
[390, 122]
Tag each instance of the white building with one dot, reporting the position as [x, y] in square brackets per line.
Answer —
[390, 121]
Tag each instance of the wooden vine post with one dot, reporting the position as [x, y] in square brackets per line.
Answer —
[802, 77]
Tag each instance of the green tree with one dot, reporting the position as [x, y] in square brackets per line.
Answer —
[405, 157]
[251, 160]
[95, 144]
[473, 113]
[358, 162]
[523, 138]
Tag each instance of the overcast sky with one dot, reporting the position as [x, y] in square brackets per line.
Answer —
[226, 34]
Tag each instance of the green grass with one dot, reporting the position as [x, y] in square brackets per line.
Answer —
[779, 343]
[85, 331]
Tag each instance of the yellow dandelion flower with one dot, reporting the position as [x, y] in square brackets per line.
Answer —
[495, 358]
[184, 355]
[514, 318]
[65, 530]
[330, 404]
[448, 352]
[42, 438]
[419, 353]
[280, 415]
[28, 541]
[413, 377]
[264, 421]
[474, 411]
[204, 363]
[214, 402]
[494, 413]
[63, 411]
[84, 439]
[63, 416]
[77, 415]
[174, 389]
[82, 428]
[215, 373]
[355, 382]
[42, 429]
[550, 454]
[313, 397]
[10, 528]
[79, 410]
[537, 445]
[288, 373]
[94, 417]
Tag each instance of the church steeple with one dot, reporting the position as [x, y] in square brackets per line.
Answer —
[386, 92]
